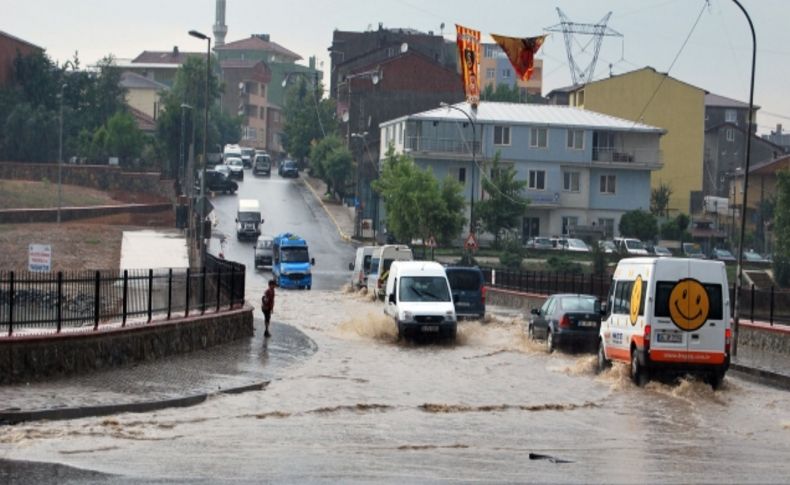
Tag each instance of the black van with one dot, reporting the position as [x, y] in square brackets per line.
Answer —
[469, 292]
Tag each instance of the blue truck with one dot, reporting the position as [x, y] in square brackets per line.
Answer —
[291, 266]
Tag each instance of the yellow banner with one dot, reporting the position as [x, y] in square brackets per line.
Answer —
[468, 41]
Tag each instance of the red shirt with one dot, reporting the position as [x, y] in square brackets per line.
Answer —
[268, 300]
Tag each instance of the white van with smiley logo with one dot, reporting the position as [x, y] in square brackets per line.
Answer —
[668, 316]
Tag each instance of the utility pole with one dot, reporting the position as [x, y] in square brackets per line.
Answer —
[60, 153]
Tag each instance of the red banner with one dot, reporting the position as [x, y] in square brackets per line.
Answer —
[468, 41]
[520, 52]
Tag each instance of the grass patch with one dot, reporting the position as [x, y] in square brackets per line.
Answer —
[23, 194]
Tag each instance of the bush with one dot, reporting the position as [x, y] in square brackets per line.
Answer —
[562, 264]
[512, 254]
[598, 259]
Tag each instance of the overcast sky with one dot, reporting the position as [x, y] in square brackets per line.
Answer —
[717, 56]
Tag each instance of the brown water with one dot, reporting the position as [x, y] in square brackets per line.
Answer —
[369, 407]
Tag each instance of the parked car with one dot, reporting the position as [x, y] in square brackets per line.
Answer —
[754, 257]
[539, 243]
[217, 181]
[467, 286]
[264, 251]
[576, 245]
[288, 168]
[360, 267]
[607, 247]
[693, 250]
[630, 246]
[247, 154]
[236, 167]
[567, 319]
[662, 252]
[722, 255]
[262, 164]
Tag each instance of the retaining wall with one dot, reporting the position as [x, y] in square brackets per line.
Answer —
[757, 335]
[34, 358]
[25, 216]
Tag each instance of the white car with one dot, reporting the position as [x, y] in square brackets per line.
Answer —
[576, 245]
[236, 167]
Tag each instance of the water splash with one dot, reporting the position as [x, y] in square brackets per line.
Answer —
[372, 326]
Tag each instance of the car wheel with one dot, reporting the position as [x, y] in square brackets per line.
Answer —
[715, 379]
[638, 372]
[550, 346]
[603, 362]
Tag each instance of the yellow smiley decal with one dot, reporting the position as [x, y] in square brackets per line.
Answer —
[636, 299]
[689, 304]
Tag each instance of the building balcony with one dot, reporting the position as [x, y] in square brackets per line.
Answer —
[638, 158]
[442, 145]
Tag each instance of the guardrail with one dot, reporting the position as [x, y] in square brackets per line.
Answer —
[770, 305]
[45, 303]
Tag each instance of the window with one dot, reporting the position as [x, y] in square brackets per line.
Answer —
[462, 175]
[607, 225]
[664, 288]
[537, 179]
[622, 298]
[730, 135]
[608, 184]
[263, 113]
[576, 139]
[568, 223]
[580, 98]
[538, 138]
[489, 50]
[730, 116]
[276, 116]
[506, 73]
[490, 73]
[570, 181]
[501, 135]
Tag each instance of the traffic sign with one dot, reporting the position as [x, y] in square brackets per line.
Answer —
[39, 258]
[471, 242]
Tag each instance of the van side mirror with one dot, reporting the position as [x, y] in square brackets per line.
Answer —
[602, 309]
[351, 266]
[261, 220]
[535, 311]
[312, 261]
[391, 298]
[237, 219]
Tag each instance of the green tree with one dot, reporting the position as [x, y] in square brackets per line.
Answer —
[29, 133]
[507, 94]
[782, 229]
[319, 153]
[339, 169]
[504, 207]
[639, 224]
[417, 205]
[307, 118]
[676, 229]
[124, 139]
[659, 199]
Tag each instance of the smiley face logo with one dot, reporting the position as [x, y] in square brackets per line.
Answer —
[689, 304]
[636, 299]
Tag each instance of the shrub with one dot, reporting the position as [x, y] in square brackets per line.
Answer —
[512, 254]
[562, 264]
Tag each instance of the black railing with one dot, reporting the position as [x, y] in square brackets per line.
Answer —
[765, 305]
[87, 300]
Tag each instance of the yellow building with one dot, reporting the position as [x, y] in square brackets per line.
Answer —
[659, 100]
[142, 93]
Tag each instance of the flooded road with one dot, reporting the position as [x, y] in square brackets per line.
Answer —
[493, 407]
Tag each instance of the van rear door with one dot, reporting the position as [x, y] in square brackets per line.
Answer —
[706, 344]
[668, 342]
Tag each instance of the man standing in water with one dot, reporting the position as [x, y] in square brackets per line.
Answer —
[267, 305]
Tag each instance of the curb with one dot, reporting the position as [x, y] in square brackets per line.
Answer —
[345, 237]
[16, 417]
[773, 379]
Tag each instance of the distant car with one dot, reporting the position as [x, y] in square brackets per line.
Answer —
[236, 167]
[607, 247]
[264, 251]
[467, 286]
[262, 164]
[288, 169]
[223, 169]
[722, 255]
[753, 257]
[662, 252]
[693, 250]
[219, 182]
[539, 243]
[576, 245]
[247, 155]
[567, 319]
[630, 246]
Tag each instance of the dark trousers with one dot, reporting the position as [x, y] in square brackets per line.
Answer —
[267, 315]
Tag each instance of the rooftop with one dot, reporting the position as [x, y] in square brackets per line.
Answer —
[165, 57]
[532, 114]
[712, 99]
[131, 80]
[17, 39]
[257, 43]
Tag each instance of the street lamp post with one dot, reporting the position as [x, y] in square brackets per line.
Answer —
[472, 221]
[202, 241]
[739, 278]
[182, 178]
[363, 136]
[60, 153]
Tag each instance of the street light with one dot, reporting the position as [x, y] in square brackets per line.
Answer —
[739, 278]
[202, 241]
[472, 222]
[363, 136]
[182, 178]
[60, 153]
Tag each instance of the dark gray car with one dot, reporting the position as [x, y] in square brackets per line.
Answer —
[469, 292]
[567, 319]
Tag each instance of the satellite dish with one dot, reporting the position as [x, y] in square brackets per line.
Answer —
[404, 48]
[241, 85]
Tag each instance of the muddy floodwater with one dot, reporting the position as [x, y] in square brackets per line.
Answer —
[492, 407]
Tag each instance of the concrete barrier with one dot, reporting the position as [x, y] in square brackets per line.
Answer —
[26, 216]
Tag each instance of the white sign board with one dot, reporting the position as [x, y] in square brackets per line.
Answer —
[39, 258]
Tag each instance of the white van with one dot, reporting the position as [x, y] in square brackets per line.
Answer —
[668, 315]
[380, 264]
[419, 299]
[248, 219]
[361, 267]
[630, 246]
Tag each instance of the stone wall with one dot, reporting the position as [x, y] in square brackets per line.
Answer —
[102, 177]
[754, 334]
[34, 358]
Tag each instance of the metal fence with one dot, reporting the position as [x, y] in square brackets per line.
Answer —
[86, 300]
[770, 305]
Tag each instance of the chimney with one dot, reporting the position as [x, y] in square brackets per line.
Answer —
[779, 129]
[311, 62]
[175, 51]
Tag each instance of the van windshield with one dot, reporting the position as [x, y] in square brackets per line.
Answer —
[294, 255]
[423, 288]
[249, 217]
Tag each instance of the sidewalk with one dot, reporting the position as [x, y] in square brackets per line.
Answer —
[341, 216]
[767, 366]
